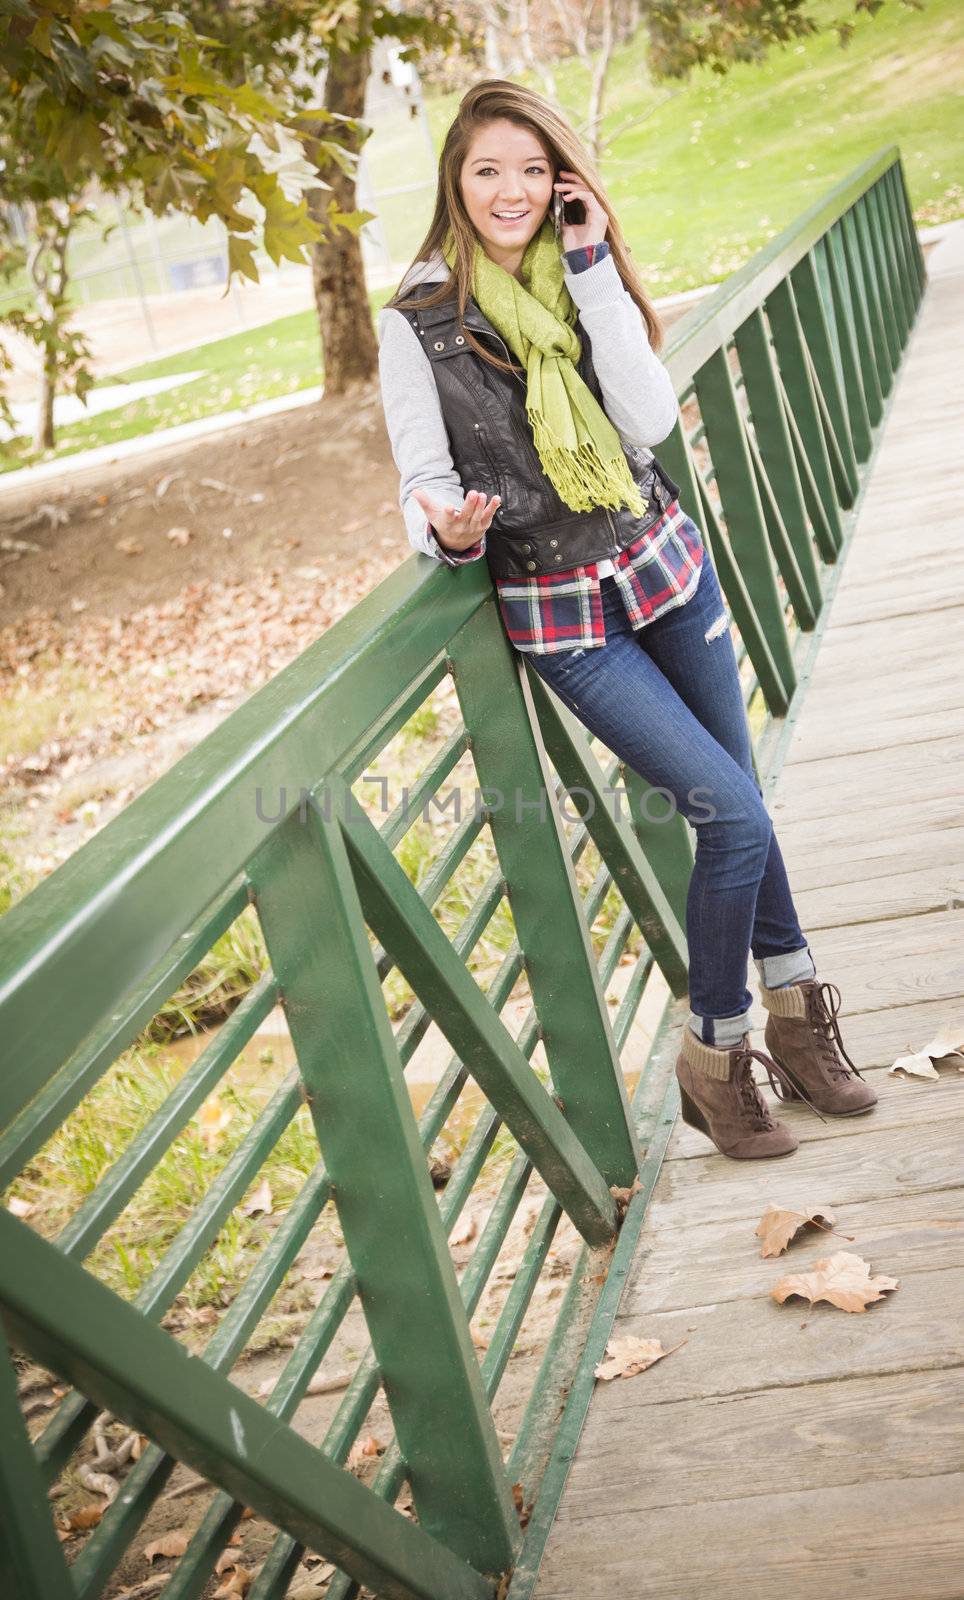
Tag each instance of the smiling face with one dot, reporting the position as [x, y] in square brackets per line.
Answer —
[506, 180]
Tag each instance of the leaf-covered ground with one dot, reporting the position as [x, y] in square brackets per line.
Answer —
[141, 604]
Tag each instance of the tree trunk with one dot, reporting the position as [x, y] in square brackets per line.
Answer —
[47, 266]
[43, 438]
[347, 336]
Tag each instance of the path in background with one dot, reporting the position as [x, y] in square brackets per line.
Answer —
[783, 1450]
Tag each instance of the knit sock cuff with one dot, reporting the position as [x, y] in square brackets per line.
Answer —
[708, 1058]
[789, 1001]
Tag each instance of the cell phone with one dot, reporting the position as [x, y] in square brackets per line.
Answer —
[572, 212]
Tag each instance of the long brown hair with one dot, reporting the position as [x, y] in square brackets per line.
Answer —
[482, 104]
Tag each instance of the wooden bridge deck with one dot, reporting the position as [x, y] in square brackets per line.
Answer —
[783, 1450]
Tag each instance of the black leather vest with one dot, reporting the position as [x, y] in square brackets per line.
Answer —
[492, 447]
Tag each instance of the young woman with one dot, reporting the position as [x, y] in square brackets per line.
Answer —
[522, 394]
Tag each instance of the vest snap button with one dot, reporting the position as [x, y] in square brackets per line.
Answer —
[459, 339]
[527, 548]
[553, 543]
[558, 558]
[531, 566]
[439, 344]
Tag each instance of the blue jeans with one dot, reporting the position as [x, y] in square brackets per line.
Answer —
[667, 700]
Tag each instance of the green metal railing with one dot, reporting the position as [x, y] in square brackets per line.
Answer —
[784, 374]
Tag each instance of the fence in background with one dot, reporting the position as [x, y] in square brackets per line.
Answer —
[784, 373]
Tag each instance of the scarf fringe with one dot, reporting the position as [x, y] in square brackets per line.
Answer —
[583, 480]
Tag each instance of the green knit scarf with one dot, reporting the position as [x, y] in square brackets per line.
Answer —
[580, 450]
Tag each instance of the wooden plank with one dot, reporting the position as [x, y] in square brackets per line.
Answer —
[895, 1427]
[870, 858]
[894, 818]
[862, 1165]
[721, 1261]
[877, 1541]
[869, 899]
[735, 1346]
[814, 788]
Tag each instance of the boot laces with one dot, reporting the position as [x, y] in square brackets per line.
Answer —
[823, 1009]
[781, 1084]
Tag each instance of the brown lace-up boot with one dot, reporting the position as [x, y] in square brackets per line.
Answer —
[720, 1098]
[803, 1037]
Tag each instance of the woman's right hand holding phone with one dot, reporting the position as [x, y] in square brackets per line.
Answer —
[457, 528]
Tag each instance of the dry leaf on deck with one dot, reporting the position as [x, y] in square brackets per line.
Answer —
[844, 1279]
[777, 1227]
[947, 1045]
[261, 1200]
[917, 1066]
[170, 1544]
[628, 1356]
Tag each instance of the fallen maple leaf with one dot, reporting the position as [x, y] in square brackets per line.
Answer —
[777, 1227]
[630, 1355]
[843, 1279]
[170, 1544]
[261, 1200]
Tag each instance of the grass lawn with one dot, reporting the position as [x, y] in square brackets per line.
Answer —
[702, 173]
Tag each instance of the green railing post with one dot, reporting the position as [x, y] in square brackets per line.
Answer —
[917, 254]
[791, 349]
[762, 383]
[817, 331]
[899, 299]
[863, 270]
[309, 908]
[741, 506]
[856, 377]
[906, 265]
[511, 766]
[32, 1565]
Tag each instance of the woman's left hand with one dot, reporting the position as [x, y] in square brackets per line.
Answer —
[593, 229]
